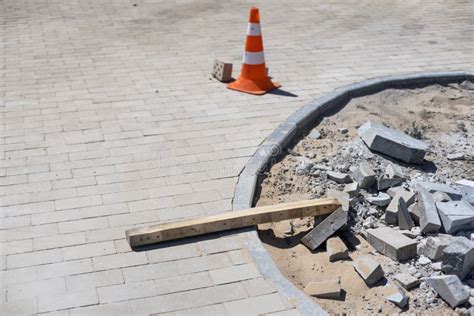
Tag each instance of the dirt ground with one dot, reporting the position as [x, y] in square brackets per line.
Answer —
[443, 116]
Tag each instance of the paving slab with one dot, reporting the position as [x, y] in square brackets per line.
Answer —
[392, 243]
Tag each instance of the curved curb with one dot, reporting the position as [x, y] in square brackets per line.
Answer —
[284, 134]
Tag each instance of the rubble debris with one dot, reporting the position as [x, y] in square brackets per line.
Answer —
[466, 188]
[392, 243]
[325, 229]
[428, 214]
[395, 171]
[343, 130]
[343, 198]
[336, 249]
[392, 143]
[422, 260]
[329, 289]
[404, 218]
[406, 280]
[352, 189]
[314, 134]
[440, 197]
[432, 187]
[414, 211]
[381, 199]
[412, 233]
[398, 298]
[393, 190]
[369, 270]
[364, 175]
[458, 257]
[456, 156]
[450, 288]
[433, 246]
[456, 215]
[384, 182]
[339, 177]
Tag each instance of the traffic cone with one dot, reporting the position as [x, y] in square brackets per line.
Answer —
[253, 77]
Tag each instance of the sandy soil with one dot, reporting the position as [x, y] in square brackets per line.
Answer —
[443, 115]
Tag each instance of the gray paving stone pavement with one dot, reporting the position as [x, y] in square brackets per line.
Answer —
[110, 120]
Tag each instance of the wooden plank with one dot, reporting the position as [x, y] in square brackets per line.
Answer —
[230, 220]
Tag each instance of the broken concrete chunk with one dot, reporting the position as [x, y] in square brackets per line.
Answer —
[432, 187]
[330, 289]
[314, 135]
[336, 249]
[391, 213]
[381, 199]
[369, 270]
[458, 257]
[395, 171]
[384, 182]
[325, 229]
[392, 143]
[466, 188]
[398, 298]
[433, 247]
[364, 175]
[404, 218]
[456, 156]
[339, 177]
[352, 189]
[406, 280]
[456, 216]
[440, 197]
[392, 243]
[412, 233]
[450, 288]
[393, 190]
[429, 218]
[414, 210]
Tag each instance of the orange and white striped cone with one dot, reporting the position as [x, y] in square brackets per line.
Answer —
[253, 77]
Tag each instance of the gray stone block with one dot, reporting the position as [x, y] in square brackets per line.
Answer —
[364, 175]
[414, 210]
[325, 229]
[381, 199]
[456, 216]
[441, 187]
[429, 218]
[392, 243]
[343, 198]
[336, 249]
[339, 177]
[329, 289]
[384, 182]
[458, 257]
[450, 288]
[433, 247]
[440, 197]
[369, 270]
[404, 218]
[392, 143]
[466, 188]
[406, 280]
[395, 171]
[398, 298]
[352, 189]
[391, 212]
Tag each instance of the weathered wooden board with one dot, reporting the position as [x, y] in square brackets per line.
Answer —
[230, 220]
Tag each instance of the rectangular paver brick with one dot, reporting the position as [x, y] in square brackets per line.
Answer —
[59, 241]
[204, 263]
[88, 250]
[150, 271]
[87, 281]
[119, 260]
[256, 305]
[234, 273]
[127, 291]
[19, 307]
[34, 258]
[173, 253]
[48, 303]
[183, 283]
[83, 225]
[119, 308]
[33, 289]
[66, 268]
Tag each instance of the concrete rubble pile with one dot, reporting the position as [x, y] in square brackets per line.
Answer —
[422, 224]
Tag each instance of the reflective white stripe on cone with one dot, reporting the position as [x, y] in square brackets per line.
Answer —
[251, 58]
[253, 29]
